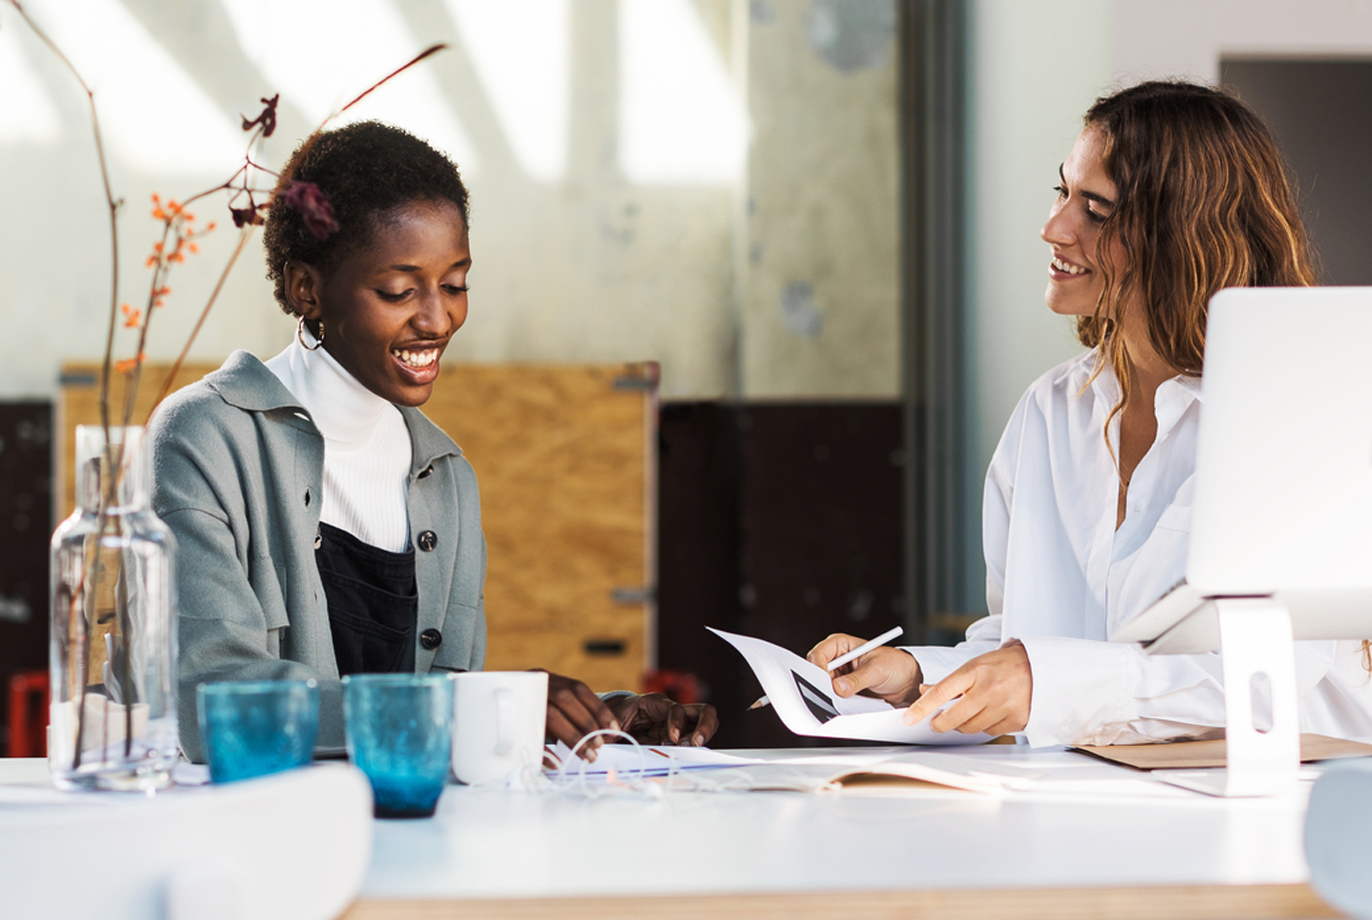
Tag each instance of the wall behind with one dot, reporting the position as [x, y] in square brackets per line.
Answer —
[1168, 38]
[820, 282]
[618, 213]
[1035, 66]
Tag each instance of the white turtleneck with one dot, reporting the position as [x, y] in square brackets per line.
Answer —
[366, 447]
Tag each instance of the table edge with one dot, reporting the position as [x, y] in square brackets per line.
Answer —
[1176, 902]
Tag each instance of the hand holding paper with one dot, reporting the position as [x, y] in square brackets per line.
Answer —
[990, 693]
[803, 697]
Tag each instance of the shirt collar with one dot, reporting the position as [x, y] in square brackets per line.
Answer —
[246, 383]
[345, 412]
[428, 441]
[1173, 398]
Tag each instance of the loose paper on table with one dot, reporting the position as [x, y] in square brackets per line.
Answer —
[643, 760]
[802, 695]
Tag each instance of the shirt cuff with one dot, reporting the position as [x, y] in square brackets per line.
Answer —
[938, 661]
[1081, 690]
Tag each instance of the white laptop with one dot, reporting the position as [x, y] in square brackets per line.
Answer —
[1283, 494]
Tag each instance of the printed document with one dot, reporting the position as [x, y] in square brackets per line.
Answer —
[802, 694]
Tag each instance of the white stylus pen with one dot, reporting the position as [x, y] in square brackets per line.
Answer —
[865, 647]
[846, 657]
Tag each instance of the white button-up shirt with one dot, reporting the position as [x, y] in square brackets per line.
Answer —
[1061, 578]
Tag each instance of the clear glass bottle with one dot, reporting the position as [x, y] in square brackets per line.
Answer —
[113, 643]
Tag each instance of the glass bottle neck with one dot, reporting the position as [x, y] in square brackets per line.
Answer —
[123, 465]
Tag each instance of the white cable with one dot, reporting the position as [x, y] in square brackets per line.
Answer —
[568, 779]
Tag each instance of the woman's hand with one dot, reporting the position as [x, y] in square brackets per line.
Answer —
[995, 688]
[574, 711]
[884, 672]
[656, 719]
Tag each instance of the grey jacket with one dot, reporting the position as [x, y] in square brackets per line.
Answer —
[238, 469]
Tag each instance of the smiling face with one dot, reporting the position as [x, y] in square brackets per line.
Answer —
[1085, 199]
[390, 308]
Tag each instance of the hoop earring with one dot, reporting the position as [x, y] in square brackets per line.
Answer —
[300, 335]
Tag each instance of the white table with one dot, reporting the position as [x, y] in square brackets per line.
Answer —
[1051, 854]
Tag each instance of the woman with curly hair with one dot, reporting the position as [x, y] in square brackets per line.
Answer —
[325, 527]
[1172, 192]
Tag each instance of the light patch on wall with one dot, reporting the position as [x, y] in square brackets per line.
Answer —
[522, 55]
[799, 315]
[682, 120]
[320, 59]
[852, 35]
[153, 115]
[15, 610]
[27, 115]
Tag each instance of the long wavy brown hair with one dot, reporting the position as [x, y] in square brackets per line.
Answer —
[1204, 201]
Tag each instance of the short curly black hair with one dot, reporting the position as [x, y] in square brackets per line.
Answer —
[366, 170]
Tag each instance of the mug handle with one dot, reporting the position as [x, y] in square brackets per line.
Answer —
[504, 721]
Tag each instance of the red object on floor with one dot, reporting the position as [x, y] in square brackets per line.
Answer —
[681, 686]
[29, 714]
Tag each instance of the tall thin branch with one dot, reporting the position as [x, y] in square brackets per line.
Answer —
[243, 236]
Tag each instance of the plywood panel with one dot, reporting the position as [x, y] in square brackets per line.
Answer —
[564, 456]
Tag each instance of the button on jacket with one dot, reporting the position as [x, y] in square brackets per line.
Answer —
[233, 458]
[1061, 578]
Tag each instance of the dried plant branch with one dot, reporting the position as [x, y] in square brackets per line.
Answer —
[84, 593]
[427, 52]
[244, 235]
[111, 202]
[90, 573]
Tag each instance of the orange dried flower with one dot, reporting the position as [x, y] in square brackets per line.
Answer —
[128, 364]
[131, 316]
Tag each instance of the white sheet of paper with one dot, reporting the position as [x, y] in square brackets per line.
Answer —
[651, 759]
[798, 690]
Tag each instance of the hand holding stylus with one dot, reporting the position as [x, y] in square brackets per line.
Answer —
[877, 670]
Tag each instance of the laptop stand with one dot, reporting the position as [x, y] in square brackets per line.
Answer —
[1262, 733]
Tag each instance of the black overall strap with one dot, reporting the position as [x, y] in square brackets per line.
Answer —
[373, 603]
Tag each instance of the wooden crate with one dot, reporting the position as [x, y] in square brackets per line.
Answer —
[566, 459]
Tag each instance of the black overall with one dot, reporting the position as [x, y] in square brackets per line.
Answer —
[373, 603]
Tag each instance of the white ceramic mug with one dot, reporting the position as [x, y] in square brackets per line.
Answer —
[499, 719]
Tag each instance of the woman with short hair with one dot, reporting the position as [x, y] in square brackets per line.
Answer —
[325, 527]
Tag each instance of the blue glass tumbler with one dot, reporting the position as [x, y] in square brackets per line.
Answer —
[399, 729]
[259, 727]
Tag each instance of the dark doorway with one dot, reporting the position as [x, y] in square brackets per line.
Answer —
[781, 521]
[25, 527]
[1321, 112]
